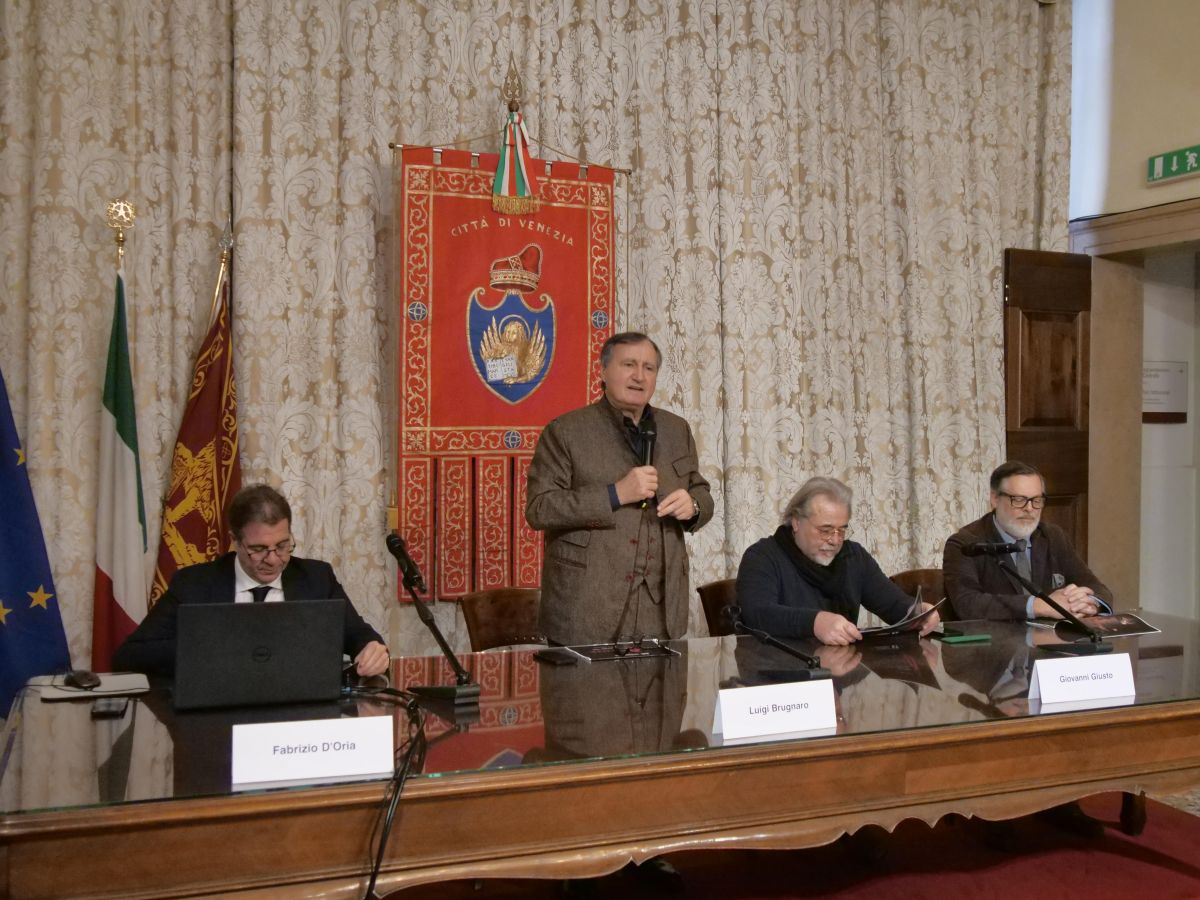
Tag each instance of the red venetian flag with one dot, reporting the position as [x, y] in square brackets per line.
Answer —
[205, 470]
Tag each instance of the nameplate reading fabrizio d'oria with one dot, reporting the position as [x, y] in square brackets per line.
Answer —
[312, 751]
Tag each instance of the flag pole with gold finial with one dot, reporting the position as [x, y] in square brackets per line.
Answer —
[120, 215]
[226, 245]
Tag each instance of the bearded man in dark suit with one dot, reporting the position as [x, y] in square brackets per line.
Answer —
[616, 567]
[976, 586]
[261, 568]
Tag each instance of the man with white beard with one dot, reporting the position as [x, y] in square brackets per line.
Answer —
[809, 580]
[976, 586]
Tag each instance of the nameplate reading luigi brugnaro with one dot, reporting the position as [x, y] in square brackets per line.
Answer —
[794, 709]
[316, 751]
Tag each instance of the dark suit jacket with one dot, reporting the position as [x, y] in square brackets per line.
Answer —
[151, 647]
[588, 543]
[978, 588]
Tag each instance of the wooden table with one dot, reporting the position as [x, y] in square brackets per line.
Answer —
[587, 817]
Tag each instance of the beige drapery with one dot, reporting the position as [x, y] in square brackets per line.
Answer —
[822, 191]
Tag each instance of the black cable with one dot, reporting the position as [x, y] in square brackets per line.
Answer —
[412, 758]
[643, 532]
[380, 694]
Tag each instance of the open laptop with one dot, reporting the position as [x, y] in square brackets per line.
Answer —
[251, 654]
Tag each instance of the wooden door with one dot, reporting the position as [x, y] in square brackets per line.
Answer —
[1047, 319]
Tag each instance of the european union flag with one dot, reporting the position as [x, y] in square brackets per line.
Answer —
[32, 641]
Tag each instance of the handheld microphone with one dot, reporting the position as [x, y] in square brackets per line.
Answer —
[997, 548]
[649, 436]
[408, 568]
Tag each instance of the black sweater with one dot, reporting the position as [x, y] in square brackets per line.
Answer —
[774, 597]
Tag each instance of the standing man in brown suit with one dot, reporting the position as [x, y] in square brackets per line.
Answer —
[616, 566]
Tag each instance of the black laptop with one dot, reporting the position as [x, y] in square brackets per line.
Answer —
[252, 654]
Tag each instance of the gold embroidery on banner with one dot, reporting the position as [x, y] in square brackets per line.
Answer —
[195, 475]
[513, 344]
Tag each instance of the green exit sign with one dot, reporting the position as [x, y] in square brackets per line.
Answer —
[1175, 164]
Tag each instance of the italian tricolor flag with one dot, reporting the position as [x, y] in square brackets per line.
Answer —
[120, 595]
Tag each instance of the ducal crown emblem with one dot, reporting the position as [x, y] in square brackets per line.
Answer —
[518, 273]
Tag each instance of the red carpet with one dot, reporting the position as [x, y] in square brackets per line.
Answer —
[957, 860]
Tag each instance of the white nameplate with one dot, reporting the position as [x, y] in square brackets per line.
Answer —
[1078, 679]
[312, 751]
[796, 708]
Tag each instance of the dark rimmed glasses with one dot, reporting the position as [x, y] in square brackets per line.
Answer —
[1019, 502]
[283, 550]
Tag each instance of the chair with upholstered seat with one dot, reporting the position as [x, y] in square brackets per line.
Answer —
[502, 617]
[714, 597]
[932, 588]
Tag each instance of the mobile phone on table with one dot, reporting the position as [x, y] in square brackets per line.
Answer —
[954, 636]
[556, 656]
[109, 707]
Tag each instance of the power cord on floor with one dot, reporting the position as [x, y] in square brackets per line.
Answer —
[410, 758]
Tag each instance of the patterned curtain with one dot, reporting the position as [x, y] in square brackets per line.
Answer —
[812, 231]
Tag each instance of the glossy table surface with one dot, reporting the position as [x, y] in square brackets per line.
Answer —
[924, 728]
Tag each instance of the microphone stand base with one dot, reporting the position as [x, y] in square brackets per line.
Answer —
[458, 694]
[461, 715]
[1082, 648]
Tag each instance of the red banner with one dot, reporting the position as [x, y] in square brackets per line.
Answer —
[502, 318]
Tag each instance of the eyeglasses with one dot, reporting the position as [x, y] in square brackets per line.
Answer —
[831, 531]
[282, 550]
[1019, 502]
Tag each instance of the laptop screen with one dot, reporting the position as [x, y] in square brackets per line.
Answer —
[251, 654]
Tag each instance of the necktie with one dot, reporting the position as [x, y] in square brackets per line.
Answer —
[260, 592]
[1022, 561]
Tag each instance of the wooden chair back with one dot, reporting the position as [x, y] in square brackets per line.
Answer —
[714, 597]
[502, 617]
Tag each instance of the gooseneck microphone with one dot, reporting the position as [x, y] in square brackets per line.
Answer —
[408, 569]
[813, 671]
[465, 692]
[1095, 642]
[993, 548]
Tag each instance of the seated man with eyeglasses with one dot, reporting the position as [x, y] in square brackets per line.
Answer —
[809, 580]
[261, 568]
[978, 588]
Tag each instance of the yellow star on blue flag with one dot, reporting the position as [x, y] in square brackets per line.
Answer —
[32, 641]
[39, 597]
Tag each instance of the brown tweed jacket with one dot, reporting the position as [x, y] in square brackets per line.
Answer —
[589, 549]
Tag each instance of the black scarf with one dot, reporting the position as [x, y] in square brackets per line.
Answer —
[829, 580]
